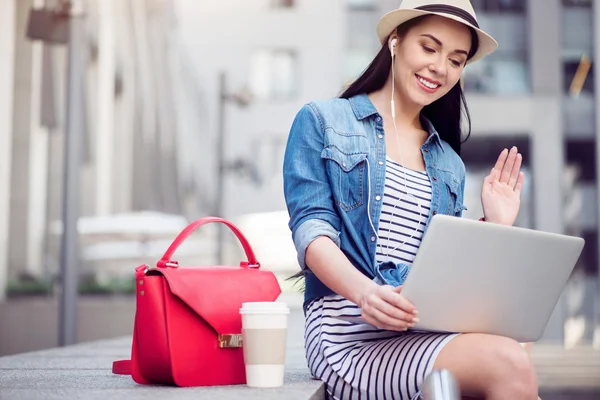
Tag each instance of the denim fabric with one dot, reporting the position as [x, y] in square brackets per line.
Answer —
[334, 176]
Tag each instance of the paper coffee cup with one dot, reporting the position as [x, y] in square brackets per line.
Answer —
[264, 332]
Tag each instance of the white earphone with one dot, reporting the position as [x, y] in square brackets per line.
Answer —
[392, 45]
[413, 197]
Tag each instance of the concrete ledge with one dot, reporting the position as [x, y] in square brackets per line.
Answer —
[84, 372]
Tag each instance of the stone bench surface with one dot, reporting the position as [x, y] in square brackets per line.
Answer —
[83, 371]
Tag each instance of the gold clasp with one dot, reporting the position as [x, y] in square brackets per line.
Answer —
[230, 341]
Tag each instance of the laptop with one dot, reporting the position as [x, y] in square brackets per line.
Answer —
[471, 276]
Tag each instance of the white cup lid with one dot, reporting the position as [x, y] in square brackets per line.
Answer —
[267, 307]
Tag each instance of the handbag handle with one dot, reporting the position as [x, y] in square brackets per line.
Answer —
[165, 261]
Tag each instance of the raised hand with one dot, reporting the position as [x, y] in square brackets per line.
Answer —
[501, 191]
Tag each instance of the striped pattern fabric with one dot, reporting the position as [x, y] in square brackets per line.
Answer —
[357, 360]
[360, 361]
[404, 213]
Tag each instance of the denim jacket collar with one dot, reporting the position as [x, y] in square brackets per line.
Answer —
[363, 108]
[433, 134]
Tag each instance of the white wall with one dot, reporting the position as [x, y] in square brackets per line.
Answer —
[224, 36]
[7, 41]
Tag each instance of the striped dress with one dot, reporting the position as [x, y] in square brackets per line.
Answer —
[360, 361]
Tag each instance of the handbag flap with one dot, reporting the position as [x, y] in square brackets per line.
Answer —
[216, 293]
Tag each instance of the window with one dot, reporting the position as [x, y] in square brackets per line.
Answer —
[578, 76]
[362, 44]
[582, 153]
[359, 30]
[481, 152]
[499, 73]
[499, 5]
[507, 70]
[577, 32]
[282, 3]
[578, 3]
[274, 74]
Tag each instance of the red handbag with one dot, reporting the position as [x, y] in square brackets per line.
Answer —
[187, 329]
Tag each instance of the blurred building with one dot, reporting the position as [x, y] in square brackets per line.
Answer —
[159, 73]
[130, 132]
[152, 98]
[278, 54]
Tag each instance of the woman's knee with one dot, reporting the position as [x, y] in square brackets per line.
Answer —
[516, 372]
[489, 366]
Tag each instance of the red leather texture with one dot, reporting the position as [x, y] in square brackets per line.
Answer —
[180, 311]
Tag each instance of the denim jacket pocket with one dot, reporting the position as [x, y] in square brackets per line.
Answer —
[347, 175]
[455, 205]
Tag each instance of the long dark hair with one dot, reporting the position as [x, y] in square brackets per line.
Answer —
[445, 113]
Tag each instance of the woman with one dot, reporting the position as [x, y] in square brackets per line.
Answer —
[363, 175]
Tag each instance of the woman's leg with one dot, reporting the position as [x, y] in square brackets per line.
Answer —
[490, 367]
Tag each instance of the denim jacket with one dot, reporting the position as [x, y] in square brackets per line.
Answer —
[334, 176]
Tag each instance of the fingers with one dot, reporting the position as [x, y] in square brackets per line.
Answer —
[491, 177]
[388, 314]
[395, 299]
[507, 168]
[501, 160]
[508, 165]
[515, 173]
[384, 321]
[386, 308]
[519, 184]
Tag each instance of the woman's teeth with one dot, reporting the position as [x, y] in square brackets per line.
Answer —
[427, 83]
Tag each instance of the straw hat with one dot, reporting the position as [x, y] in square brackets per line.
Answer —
[457, 10]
